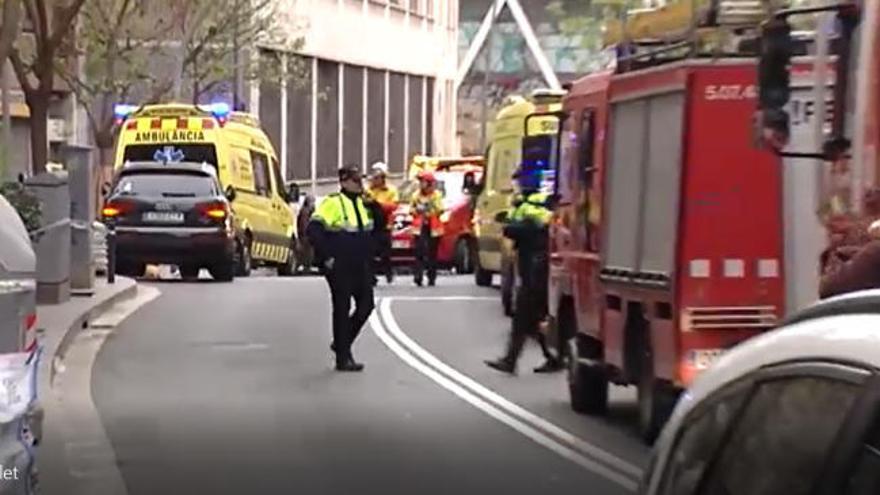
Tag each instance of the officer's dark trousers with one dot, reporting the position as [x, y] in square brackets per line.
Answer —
[426, 256]
[530, 307]
[346, 285]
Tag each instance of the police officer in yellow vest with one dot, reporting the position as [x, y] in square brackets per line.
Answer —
[527, 225]
[342, 231]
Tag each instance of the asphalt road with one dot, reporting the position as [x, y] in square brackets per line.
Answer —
[229, 389]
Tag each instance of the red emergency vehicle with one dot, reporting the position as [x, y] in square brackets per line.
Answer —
[666, 245]
[457, 182]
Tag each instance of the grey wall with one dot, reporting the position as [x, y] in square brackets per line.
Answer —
[299, 125]
[353, 128]
[328, 118]
[376, 116]
[396, 159]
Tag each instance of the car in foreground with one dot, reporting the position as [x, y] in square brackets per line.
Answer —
[794, 411]
[174, 214]
[457, 245]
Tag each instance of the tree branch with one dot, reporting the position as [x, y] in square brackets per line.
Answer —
[21, 72]
[64, 22]
[10, 28]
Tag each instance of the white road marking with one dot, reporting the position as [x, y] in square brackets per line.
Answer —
[522, 427]
[442, 298]
[490, 395]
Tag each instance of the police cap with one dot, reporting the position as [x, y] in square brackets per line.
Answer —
[349, 172]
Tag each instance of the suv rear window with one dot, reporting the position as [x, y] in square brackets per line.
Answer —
[195, 153]
[165, 184]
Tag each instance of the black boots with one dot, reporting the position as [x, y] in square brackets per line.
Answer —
[551, 365]
[349, 365]
[503, 365]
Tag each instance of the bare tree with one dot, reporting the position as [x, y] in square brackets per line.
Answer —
[211, 33]
[115, 44]
[35, 64]
[10, 26]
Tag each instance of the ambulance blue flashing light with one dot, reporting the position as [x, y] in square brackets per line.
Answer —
[220, 110]
[121, 110]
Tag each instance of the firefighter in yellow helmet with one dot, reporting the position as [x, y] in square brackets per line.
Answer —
[527, 226]
[342, 232]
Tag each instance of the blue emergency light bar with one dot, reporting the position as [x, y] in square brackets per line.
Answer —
[121, 111]
[219, 109]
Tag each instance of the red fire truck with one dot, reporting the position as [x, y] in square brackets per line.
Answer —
[666, 247]
[849, 31]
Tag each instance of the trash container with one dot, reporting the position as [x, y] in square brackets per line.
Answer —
[52, 241]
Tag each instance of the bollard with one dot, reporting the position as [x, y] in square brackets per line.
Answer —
[111, 253]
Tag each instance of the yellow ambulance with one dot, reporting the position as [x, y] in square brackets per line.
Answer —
[523, 129]
[246, 163]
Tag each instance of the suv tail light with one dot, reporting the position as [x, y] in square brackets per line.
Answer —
[115, 209]
[216, 210]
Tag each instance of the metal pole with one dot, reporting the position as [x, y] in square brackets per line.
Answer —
[820, 71]
[487, 69]
[236, 62]
[111, 253]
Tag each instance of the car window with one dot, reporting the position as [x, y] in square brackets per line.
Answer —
[195, 153]
[702, 435]
[166, 185]
[586, 143]
[782, 439]
[261, 173]
[276, 174]
[567, 159]
[865, 479]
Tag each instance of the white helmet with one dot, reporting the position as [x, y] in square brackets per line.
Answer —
[379, 168]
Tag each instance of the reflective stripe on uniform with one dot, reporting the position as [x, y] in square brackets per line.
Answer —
[533, 208]
[337, 213]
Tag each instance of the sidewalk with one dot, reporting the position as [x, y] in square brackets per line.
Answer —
[61, 322]
[59, 457]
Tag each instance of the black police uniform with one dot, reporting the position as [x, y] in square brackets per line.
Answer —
[342, 231]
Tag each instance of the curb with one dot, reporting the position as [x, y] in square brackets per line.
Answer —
[81, 321]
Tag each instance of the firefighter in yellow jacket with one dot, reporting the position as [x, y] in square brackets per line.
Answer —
[427, 206]
[342, 232]
[527, 225]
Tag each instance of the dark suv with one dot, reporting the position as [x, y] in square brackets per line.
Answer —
[174, 214]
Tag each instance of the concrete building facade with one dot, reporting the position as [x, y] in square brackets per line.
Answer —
[379, 86]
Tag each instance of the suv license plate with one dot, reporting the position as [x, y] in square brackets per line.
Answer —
[400, 245]
[163, 216]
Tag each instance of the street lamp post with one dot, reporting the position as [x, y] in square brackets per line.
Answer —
[487, 69]
[236, 62]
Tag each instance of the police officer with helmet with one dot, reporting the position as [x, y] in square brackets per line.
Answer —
[527, 226]
[342, 232]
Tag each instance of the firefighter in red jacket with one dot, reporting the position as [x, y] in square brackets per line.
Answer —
[427, 207]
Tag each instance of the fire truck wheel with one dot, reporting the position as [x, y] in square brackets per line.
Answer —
[587, 384]
[655, 399]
